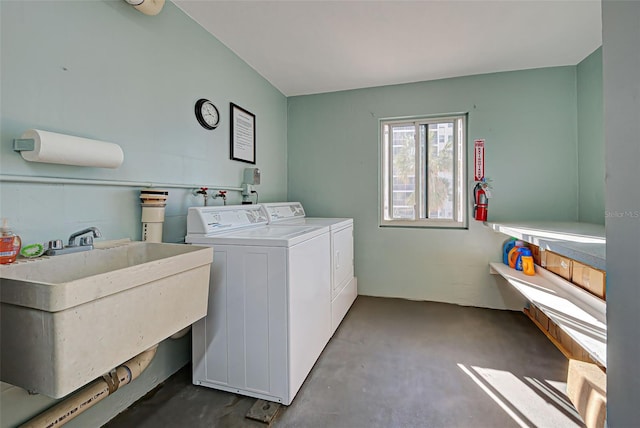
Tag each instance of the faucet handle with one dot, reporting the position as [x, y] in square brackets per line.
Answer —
[86, 241]
[55, 244]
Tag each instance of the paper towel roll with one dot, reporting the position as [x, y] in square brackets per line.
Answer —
[150, 7]
[69, 150]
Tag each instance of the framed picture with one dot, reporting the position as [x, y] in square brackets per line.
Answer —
[243, 135]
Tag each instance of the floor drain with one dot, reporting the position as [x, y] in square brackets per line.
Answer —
[263, 411]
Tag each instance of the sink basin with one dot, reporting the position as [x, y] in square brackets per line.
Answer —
[68, 319]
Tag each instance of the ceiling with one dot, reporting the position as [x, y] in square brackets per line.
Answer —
[307, 47]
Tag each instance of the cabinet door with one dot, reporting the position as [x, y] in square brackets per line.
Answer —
[342, 257]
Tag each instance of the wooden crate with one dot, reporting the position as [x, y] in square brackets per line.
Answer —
[542, 318]
[553, 330]
[536, 252]
[569, 347]
[576, 351]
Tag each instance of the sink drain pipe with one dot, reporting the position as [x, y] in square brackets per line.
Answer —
[93, 393]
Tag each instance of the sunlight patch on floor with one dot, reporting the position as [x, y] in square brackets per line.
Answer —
[528, 401]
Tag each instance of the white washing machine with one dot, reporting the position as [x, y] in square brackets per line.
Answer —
[269, 313]
[344, 285]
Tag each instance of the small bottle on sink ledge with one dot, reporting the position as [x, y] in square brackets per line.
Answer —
[10, 244]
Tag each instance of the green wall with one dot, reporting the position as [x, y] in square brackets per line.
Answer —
[528, 119]
[102, 70]
[590, 139]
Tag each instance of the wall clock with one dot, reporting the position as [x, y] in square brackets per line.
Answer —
[207, 114]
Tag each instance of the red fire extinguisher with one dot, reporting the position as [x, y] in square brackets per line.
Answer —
[481, 202]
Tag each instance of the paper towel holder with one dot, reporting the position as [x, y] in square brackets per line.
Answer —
[23, 144]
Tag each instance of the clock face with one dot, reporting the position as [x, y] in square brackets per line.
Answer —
[210, 114]
[207, 114]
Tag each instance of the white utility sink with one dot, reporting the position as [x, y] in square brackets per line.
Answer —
[68, 319]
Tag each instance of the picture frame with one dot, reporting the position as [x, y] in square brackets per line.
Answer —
[243, 135]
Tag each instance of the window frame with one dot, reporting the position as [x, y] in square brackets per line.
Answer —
[460, 173]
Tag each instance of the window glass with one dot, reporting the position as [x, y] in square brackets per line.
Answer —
[423, 166]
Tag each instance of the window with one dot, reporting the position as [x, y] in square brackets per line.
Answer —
[423, 172]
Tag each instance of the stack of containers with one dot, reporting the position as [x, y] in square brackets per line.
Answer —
[518, 256]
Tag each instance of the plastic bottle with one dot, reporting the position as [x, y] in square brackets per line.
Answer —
[514, 253]
[506, 247]
[10, 244]
[526, 262]
[519, 253]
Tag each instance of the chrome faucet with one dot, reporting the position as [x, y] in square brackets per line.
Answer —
[88, 240]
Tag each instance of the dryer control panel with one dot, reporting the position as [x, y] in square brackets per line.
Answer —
[281, 211]
[208, 220]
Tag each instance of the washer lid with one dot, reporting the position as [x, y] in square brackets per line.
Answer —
[265, 236]
[333, 222]
[292, 213]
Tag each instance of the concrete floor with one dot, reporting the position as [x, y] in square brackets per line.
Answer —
[398, 363]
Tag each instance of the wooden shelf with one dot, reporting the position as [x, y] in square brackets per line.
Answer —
[577, 312]
[584, 242]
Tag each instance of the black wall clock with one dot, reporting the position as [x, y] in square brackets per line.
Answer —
[207, 114]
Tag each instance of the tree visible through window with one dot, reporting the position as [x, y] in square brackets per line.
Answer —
[423, 170]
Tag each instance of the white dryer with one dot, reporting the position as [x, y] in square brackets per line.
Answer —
[269, 314]
[344, 285]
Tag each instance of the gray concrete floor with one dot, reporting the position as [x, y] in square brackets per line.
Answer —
[398, 363]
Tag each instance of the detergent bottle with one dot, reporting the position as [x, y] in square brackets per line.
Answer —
[10, 244]
[525, 262]
[506, 247]
[514, 253]
[520, 252]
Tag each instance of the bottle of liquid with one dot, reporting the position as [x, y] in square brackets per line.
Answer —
[520, 252]
[515, 252]
[10, 244]
[506, 247]
[526, 262]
